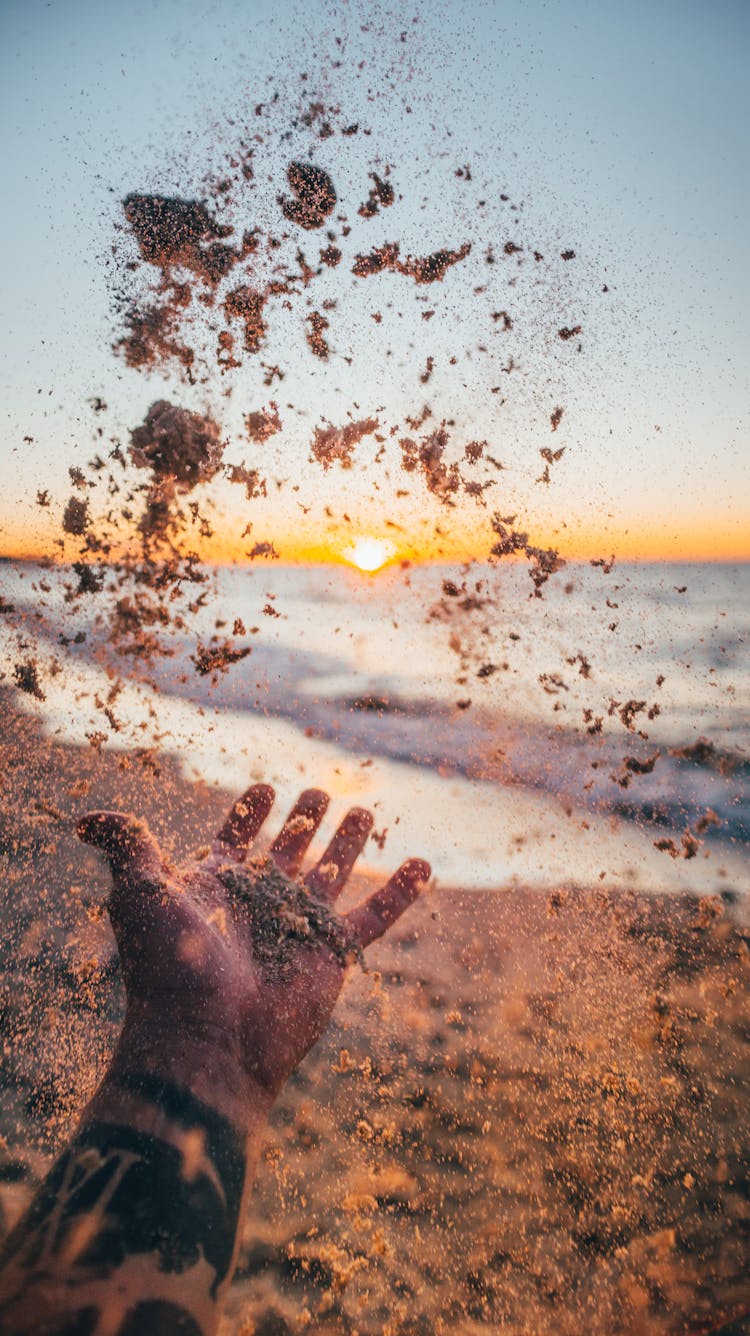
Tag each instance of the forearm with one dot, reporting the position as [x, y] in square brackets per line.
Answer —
[136, 1226]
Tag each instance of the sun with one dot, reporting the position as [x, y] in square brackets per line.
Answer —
[369, 554]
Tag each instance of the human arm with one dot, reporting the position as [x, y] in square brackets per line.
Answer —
[231, 972]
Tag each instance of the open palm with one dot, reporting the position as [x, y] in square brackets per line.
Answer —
[245, 951]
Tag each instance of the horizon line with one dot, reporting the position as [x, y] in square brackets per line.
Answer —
[265, 563]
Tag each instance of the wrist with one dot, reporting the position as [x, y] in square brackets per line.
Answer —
[201, 1058]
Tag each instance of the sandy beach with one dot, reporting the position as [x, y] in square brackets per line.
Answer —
[529, 1116]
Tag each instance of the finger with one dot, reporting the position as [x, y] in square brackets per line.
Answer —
[292, 841]
[128, 844]
[144, 906]
[374, 916]
[329, 875]
[245, 820]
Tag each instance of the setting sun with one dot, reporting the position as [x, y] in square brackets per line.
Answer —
[369, 554]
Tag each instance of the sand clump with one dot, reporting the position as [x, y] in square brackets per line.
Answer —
[314, 195]
[428, 269]
[246, 304]
[181, 450]
[150, 340]
[179, 233]
[177, 445]
[317, 324]
[381, 196]
[76, 518]
[335, 445]
[544, 561]
[263, 423]
[211, 660]
[284, 915]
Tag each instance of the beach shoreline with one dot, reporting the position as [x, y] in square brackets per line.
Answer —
[632, 770]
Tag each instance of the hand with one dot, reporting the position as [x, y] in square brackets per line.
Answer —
[231, 968]
[236, 955]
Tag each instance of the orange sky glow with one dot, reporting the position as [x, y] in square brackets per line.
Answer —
[713, 538]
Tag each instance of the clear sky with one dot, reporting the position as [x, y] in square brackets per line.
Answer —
[620, 130]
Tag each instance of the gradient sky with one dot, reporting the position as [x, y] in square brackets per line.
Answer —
[621, 129]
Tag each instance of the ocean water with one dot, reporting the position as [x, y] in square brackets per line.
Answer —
[510, 739]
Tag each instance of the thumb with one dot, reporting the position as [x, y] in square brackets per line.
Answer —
[127, 843]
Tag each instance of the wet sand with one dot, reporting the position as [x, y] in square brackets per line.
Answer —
[531, 1116]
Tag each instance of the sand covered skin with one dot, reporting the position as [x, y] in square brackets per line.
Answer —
[482, 1142]
[283, 915]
